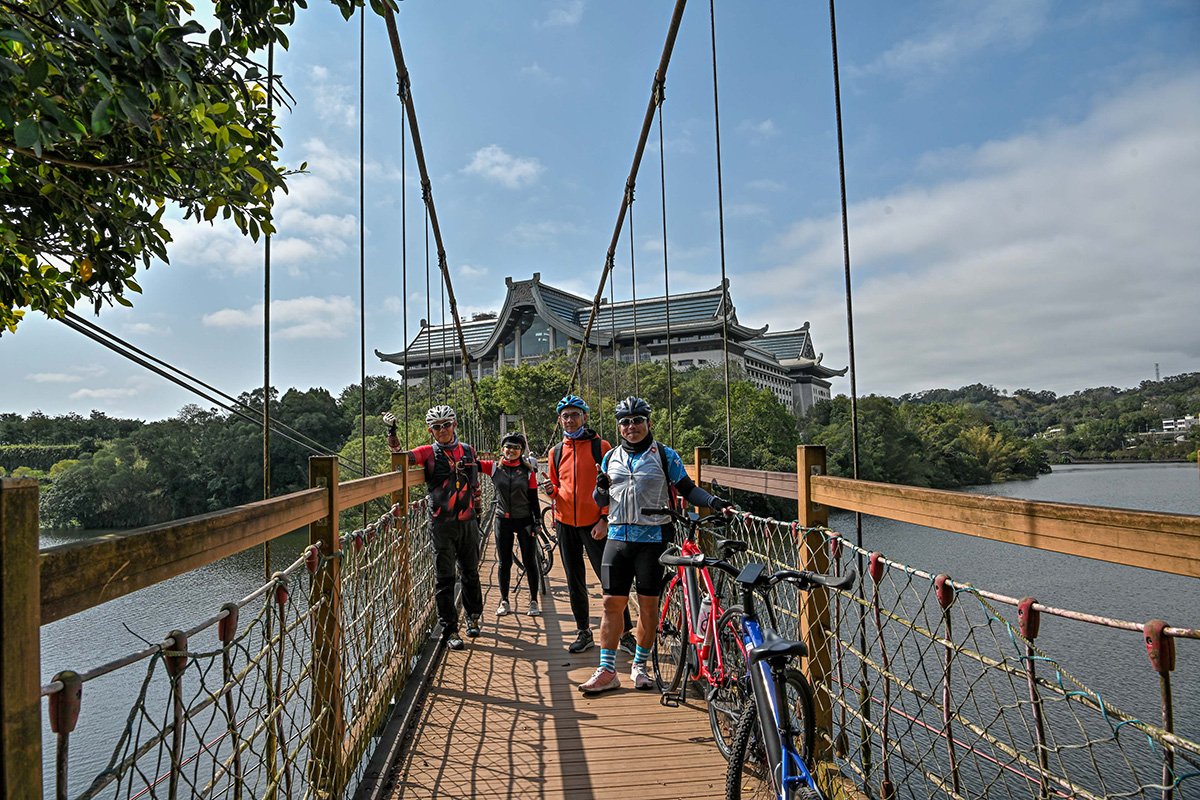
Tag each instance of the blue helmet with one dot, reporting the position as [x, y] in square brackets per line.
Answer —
[571, 400]
[633, 407]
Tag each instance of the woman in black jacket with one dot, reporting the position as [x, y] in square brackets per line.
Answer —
[517, 507]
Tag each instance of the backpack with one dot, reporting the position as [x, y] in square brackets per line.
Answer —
[596, 455]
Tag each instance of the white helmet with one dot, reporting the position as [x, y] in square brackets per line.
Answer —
[440, 414]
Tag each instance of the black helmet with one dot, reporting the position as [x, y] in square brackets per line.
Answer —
[515, 438]
[633, 407]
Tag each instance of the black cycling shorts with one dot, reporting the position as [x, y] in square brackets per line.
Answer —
[623, 562]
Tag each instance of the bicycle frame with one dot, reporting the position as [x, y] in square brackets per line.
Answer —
[703, 646]
[769, 686]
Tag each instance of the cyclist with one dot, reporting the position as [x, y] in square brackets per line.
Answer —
[517, 507]
[452, 475]
[573, 465]
[639, 473]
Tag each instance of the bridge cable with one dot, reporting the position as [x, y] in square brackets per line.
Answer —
[864, 709]
[660, 76]
[725, 304]
[402, 73]
[402, 90]
[633, 287]
[164, 369]
[362, 245]
[266, 421]
[660, 89]
[428, 309]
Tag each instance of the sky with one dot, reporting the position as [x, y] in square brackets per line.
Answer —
[1023, 190]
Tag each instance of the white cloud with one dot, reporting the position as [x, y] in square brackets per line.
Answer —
[960, 33]
[766, 185]
[299, 318]
[758, 131]
[53, 377]
[564, 14]
[334, 102]
[494, 164]
[103, 394]
[146, 329]
[1062, 255]
[468, 271]
[542, 232]
[538, 73]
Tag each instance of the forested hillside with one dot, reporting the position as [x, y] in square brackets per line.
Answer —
[102, 472]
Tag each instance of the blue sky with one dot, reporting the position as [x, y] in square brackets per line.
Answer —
[1023, 178]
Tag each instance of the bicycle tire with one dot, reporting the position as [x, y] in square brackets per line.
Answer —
[749, 776]
[726, 701]
[548, 518]
[545, 559]
[671, 641]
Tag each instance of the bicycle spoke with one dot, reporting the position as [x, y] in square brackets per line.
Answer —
[671, 640]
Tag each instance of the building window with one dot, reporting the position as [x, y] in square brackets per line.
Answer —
[535, 336]
[508, 352]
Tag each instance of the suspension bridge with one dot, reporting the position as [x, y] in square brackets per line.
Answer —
[327, 680]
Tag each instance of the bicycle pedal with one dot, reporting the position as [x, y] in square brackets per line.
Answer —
[670, 699]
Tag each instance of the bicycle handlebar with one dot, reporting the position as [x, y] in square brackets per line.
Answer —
[686, 519]
[761, 579]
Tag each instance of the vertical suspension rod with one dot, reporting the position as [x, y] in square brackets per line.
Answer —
[660, 79]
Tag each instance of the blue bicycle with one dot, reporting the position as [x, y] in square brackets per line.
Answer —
[773, 741]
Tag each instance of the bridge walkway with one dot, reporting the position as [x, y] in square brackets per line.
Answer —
[504, 718]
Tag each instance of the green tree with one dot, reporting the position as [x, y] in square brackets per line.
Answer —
[110, 113]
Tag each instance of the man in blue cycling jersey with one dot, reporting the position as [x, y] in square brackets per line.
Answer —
[635, 475]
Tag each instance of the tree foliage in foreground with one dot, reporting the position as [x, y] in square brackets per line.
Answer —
[110, 112]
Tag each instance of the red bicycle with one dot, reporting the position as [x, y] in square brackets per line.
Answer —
[697, 639]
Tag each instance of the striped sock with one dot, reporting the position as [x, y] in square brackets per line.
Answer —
[642, 655]
[608, 659]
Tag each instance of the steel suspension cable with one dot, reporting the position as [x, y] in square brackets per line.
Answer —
[865, 709]
[428, 308]
[266, 421]
[712, 26]
[633, 286]
[410, 108]
[403, 92]
[362, 244]
[662, 175]
[191, 383]
[660, 76]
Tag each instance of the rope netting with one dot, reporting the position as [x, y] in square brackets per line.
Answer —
[245, 703]
[952, 695]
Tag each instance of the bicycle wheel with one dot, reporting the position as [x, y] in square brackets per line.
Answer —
[726, 701]
[545, 557]
[546, 543]
[750, 775]
[548, 518]
[670, 643]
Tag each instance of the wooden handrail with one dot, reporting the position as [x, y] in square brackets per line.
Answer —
[1146, 539]
[359, 491]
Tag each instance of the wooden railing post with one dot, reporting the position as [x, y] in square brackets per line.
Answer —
[403, 585]
[814, 605]
[20, 657]
[326, 773]
[702, 456]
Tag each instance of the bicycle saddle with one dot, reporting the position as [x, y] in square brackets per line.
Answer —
[775, 646]
[727, 547]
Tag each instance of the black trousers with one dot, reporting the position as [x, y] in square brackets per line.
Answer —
[522, 529]
[456, 543]
[574, 541]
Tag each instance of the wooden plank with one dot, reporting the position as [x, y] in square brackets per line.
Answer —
[80, 575]
[504, 718]
[20, 657]
[1146, 539]
[362, 490]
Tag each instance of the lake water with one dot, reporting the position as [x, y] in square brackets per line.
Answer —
[1100, 658]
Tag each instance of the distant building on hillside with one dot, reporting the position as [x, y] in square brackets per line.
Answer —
[1179, 425]
[538, 319]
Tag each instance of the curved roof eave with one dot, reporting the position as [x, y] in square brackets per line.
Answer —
[552, 319]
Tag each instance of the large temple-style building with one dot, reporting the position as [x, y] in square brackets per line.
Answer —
[537, 319]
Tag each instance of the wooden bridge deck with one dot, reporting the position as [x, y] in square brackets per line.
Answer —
[504, 718]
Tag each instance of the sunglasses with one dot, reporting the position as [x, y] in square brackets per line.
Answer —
[571, 414]
[631, 421]
[438, 426]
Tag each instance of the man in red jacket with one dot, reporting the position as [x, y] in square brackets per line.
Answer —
[573, 467]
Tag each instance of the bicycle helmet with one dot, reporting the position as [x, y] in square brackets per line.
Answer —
[633, 407]
[571, 400]
[515, 438]
[440, 414]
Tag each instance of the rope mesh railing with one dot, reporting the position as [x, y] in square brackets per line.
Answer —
[954, 696]
[234, 707]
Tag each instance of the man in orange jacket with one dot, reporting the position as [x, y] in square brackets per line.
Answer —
[573, 466]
